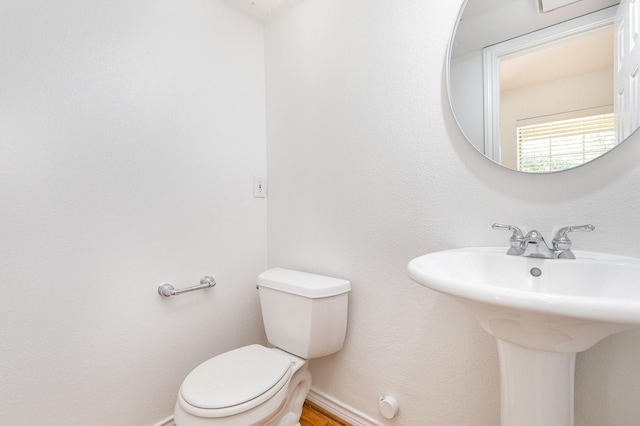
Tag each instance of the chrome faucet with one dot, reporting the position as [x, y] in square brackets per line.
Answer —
[532, 244]
[562, 243]
[516, 241]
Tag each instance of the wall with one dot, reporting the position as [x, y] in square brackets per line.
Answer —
[130, 132]
[367, 169]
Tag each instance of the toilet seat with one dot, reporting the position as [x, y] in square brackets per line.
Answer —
[234, 382]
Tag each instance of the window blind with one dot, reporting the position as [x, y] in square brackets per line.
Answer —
[562, 144]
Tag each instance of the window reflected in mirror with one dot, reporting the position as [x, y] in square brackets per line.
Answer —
[553, 100]
[550, 146]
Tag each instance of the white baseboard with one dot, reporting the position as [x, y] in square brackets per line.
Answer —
[166, 422]
[345, 412]
[342, 410]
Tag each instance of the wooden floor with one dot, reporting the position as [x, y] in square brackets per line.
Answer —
[313, 415]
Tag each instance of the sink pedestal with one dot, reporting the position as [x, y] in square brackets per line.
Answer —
[536, 386]
[542, 312]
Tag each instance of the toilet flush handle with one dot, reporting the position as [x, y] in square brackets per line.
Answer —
[168, 290]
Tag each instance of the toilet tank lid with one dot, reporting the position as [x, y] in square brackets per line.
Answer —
[303, 283]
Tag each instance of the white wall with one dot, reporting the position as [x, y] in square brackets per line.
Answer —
[129, 135]
[367, 170]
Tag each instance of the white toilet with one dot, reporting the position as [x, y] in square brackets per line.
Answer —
[305, 316]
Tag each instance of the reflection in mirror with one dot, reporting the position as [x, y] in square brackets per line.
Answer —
[543, 91]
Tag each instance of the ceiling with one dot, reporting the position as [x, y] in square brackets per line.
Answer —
[260, 9]
[575, 56]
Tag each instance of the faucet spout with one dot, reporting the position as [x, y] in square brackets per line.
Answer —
[534, 245]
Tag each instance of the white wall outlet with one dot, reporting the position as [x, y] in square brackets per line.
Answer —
[259, 187]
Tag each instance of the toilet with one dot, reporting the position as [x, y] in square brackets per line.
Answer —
[305, 317]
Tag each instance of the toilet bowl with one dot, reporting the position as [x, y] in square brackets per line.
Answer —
[252, 385]
[305, 317]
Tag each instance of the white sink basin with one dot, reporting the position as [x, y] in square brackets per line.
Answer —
[579, 300]
[541, 311]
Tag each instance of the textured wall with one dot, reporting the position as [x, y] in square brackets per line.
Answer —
[129, 135]
[367, 170]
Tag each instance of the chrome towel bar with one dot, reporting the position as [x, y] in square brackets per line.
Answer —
[167, 289]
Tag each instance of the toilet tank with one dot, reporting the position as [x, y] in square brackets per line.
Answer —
[304, 314]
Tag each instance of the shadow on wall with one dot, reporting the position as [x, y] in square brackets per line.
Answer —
[603, 380]
[453, 349]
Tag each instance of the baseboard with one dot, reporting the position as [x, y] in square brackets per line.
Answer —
[342, 410]
[166, 422]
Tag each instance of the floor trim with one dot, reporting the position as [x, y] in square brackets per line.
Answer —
[342, 410]
[166, 422]
[332, 405]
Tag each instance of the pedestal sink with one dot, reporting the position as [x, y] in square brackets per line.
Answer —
[541, 312]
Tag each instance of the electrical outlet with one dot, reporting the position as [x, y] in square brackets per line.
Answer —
[259, 187]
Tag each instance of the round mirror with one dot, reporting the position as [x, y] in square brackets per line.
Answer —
[545, 85]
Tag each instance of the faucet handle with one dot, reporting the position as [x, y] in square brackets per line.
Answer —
[517, 233]
[516, 239]
[562, 242]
